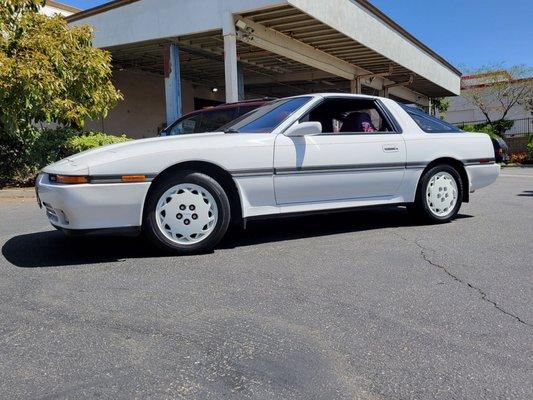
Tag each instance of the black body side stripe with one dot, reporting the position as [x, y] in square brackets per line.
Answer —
[340, 168]
[345, 168]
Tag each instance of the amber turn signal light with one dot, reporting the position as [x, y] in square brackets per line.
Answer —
[70, 179]
[133, 178]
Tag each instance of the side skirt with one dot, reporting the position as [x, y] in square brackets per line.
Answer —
[322, 212]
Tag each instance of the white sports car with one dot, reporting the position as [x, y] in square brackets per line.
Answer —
[300, 154]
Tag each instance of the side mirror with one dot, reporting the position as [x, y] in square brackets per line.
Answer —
[304, 129]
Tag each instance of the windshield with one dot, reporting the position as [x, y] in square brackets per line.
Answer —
[205, 121]
[267, 118]
[428, 123]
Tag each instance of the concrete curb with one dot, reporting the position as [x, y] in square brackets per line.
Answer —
[526, 166]
[17, 193]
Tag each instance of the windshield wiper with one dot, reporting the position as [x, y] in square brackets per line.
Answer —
[231, 130]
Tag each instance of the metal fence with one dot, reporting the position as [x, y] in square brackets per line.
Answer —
[522, 126]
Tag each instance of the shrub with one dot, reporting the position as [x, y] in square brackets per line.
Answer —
[87, 141]
[50, 147]
[518, 158]
[483, 128]
[24, 155]
[15, 150]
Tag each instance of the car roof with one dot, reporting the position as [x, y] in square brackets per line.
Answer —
[348, 95]
[262, 101]
[337, 95]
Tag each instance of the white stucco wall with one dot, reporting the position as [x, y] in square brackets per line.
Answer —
[142, 112]
[50, 10]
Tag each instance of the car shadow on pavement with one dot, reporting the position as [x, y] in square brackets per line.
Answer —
[55, 249]
[300, 227]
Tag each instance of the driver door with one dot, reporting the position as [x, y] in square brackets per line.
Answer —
[338, 166]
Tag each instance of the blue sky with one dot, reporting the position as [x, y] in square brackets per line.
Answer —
[468, 33]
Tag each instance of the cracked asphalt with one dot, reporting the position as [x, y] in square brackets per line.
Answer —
[364, 305]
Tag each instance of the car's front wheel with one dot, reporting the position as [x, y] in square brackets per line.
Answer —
[187, 213]
[439, 195]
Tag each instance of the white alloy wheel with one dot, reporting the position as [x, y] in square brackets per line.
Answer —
[186, 214]
[441, 194]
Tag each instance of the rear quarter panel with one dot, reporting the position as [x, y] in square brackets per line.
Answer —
[426, 147]
[423, 148]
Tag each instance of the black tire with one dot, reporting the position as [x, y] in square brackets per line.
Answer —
[152, 230]
[421, 208]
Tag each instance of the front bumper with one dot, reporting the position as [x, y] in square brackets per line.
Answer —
[92, 206]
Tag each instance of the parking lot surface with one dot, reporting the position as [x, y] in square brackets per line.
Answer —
[360, 305]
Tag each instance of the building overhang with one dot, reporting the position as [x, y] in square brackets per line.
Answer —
[350, 32]
[69, 10]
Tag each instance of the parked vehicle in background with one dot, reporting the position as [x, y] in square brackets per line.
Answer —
[211, 118]
[501, 150]
[310, 153]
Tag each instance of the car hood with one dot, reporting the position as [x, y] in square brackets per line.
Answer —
[81, 163]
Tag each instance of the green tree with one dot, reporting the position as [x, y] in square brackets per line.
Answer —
[441, 105]
[49, 73]
[495, 91]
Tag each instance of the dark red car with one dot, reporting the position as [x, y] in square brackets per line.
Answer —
[211, 118]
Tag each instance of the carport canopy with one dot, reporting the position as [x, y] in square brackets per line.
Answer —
[270, 48]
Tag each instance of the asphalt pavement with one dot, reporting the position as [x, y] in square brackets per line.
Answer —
[360, 305]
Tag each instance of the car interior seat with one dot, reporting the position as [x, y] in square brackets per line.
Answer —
[358, 122]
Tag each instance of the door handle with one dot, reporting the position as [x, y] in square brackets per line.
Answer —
[390, 148]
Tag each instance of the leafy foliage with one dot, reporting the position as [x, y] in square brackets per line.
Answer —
[49, 73]
[530, 148]
[91, 140]
[442, 105]
[15, 151]
[483, 128]
[46, 146]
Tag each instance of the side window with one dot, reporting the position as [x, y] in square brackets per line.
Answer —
[212, 120]
[185, 126]
[428, 123]
[349, 116]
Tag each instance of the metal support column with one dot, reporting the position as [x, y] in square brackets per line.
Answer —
[240, 81]
[172, 82]
[230, 59]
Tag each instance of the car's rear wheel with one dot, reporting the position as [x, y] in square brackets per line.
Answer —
[439, 195]
[187, 213]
